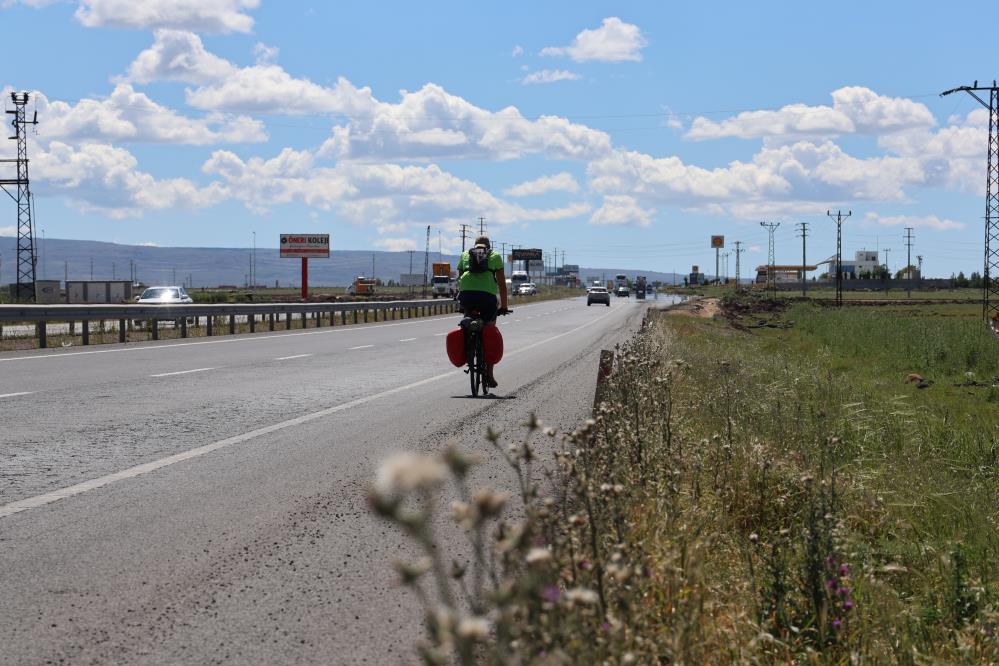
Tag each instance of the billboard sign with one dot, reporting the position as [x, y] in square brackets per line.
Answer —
[717, 242]
[523, 254]
[570, 269]
[412, 279]
[535, 265]
[310, 246]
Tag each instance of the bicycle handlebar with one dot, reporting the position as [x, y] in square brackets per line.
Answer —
[504, 311]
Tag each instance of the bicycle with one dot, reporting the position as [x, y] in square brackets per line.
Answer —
[475, 355]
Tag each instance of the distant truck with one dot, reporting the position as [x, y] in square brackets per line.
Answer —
[362, 286]
[442, 283]
[640, 287]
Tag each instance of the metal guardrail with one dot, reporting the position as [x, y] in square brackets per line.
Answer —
[40, 315]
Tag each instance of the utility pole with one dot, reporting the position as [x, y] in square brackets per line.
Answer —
[887, 266]
[65, 272]
[908, 261]
[440, 246]
[919, 258]
[839, 217]
[803, 231]
[91, 268]
[464, 235]
[990, 284]
[410, 280]
[771, 227]
[426, 263]
[738, 253]
[25, 289]
[114, 271]
[482, 226]
[41, 256]
[253, 262]
[372, 265]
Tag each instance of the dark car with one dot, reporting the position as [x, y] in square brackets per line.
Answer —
[622, 292]
[598, 295]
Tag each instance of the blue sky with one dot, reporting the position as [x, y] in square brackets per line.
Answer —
[623, 133]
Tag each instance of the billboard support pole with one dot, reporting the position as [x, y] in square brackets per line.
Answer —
[305, 278]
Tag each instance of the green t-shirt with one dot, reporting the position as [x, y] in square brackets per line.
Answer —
[484, 281]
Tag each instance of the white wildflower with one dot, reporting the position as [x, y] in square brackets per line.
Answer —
[581, 595]
[405, 472]
[473, 628]
[538, 556]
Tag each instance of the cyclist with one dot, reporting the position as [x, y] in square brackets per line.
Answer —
[481, 280]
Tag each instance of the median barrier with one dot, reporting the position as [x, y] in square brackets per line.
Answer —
[121, 316]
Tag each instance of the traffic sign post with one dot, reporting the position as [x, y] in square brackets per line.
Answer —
[717, 242]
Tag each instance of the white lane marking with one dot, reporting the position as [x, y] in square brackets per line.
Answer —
[359, 347]
[261, 337]
[145, 468]
[437, 335]
[181, 372]
[288, 358]
[14, 395]
[407, 339]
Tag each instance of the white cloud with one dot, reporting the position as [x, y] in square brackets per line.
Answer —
[396, 244]
[915, 221]
[563, 182]
[178, 55]
[104, 179]
[130, 116]
[618, 209]
[265, 54]
[855, 110]
[517, 51]
[214, 16]
[8, 231]
[149, 244]
[613, 41]
[549, 76]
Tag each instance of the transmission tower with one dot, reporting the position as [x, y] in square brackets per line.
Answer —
[908, 261]
[771, 227]
[426, 263]
[482, 226]
[464, 235]
[839, 217]
[990, 284]
[803, 231]
[738, 253]
[25, 238]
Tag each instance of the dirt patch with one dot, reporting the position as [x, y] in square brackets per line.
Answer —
[705, 307]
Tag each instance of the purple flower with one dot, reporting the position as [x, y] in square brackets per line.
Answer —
[837, 623]
[831, 583]
[551, 593]
[843, 591]
[605, 626]
[848, 604]
[844, 570]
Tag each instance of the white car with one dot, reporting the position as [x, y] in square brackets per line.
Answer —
[164, 296]
[527, 289]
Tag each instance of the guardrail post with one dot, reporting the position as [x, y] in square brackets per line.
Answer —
[183, 327]
[355, 316]
[72, 328]
[365, 315]
[343, 317]
[287, 322]
[253, 323]
[42, 342]
[122, 332]
[305, 320]
[271, 317]
[155, 328]
[232, 324]
[85, 325]
[209, 325]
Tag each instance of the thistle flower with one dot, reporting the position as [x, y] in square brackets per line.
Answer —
[551, 594]
[409, 572]
[457, 460]
[463, 514]
[489, 502]
[405, 472]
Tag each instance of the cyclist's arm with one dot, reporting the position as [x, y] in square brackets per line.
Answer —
[501, 283]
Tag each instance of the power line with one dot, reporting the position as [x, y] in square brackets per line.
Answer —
[771, 227]
[990, 285]
[26, 259]
[803, 232]
[839, 252]
[908, 261]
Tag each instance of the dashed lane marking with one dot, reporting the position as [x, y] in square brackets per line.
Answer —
[181, 372]
[288, 358]
[86, 486]
[14, 395]
[407, 339]
[359, 347]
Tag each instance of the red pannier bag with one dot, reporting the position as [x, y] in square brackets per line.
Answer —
[456, 347]
[492, 344]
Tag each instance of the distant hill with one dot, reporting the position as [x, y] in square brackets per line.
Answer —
[212, 266]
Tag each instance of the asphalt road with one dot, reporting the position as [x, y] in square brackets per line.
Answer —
[203, 501]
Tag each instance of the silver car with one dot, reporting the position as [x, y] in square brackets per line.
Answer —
[598, 295]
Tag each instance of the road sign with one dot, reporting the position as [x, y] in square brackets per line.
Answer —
[535, 265]
[308, 246]
[717, 242]
[523, 254]
[569, 269]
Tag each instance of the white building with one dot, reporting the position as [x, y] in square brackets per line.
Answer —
[864, 262]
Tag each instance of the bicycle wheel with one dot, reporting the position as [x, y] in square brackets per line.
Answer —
[480, 362]
[473, 365]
